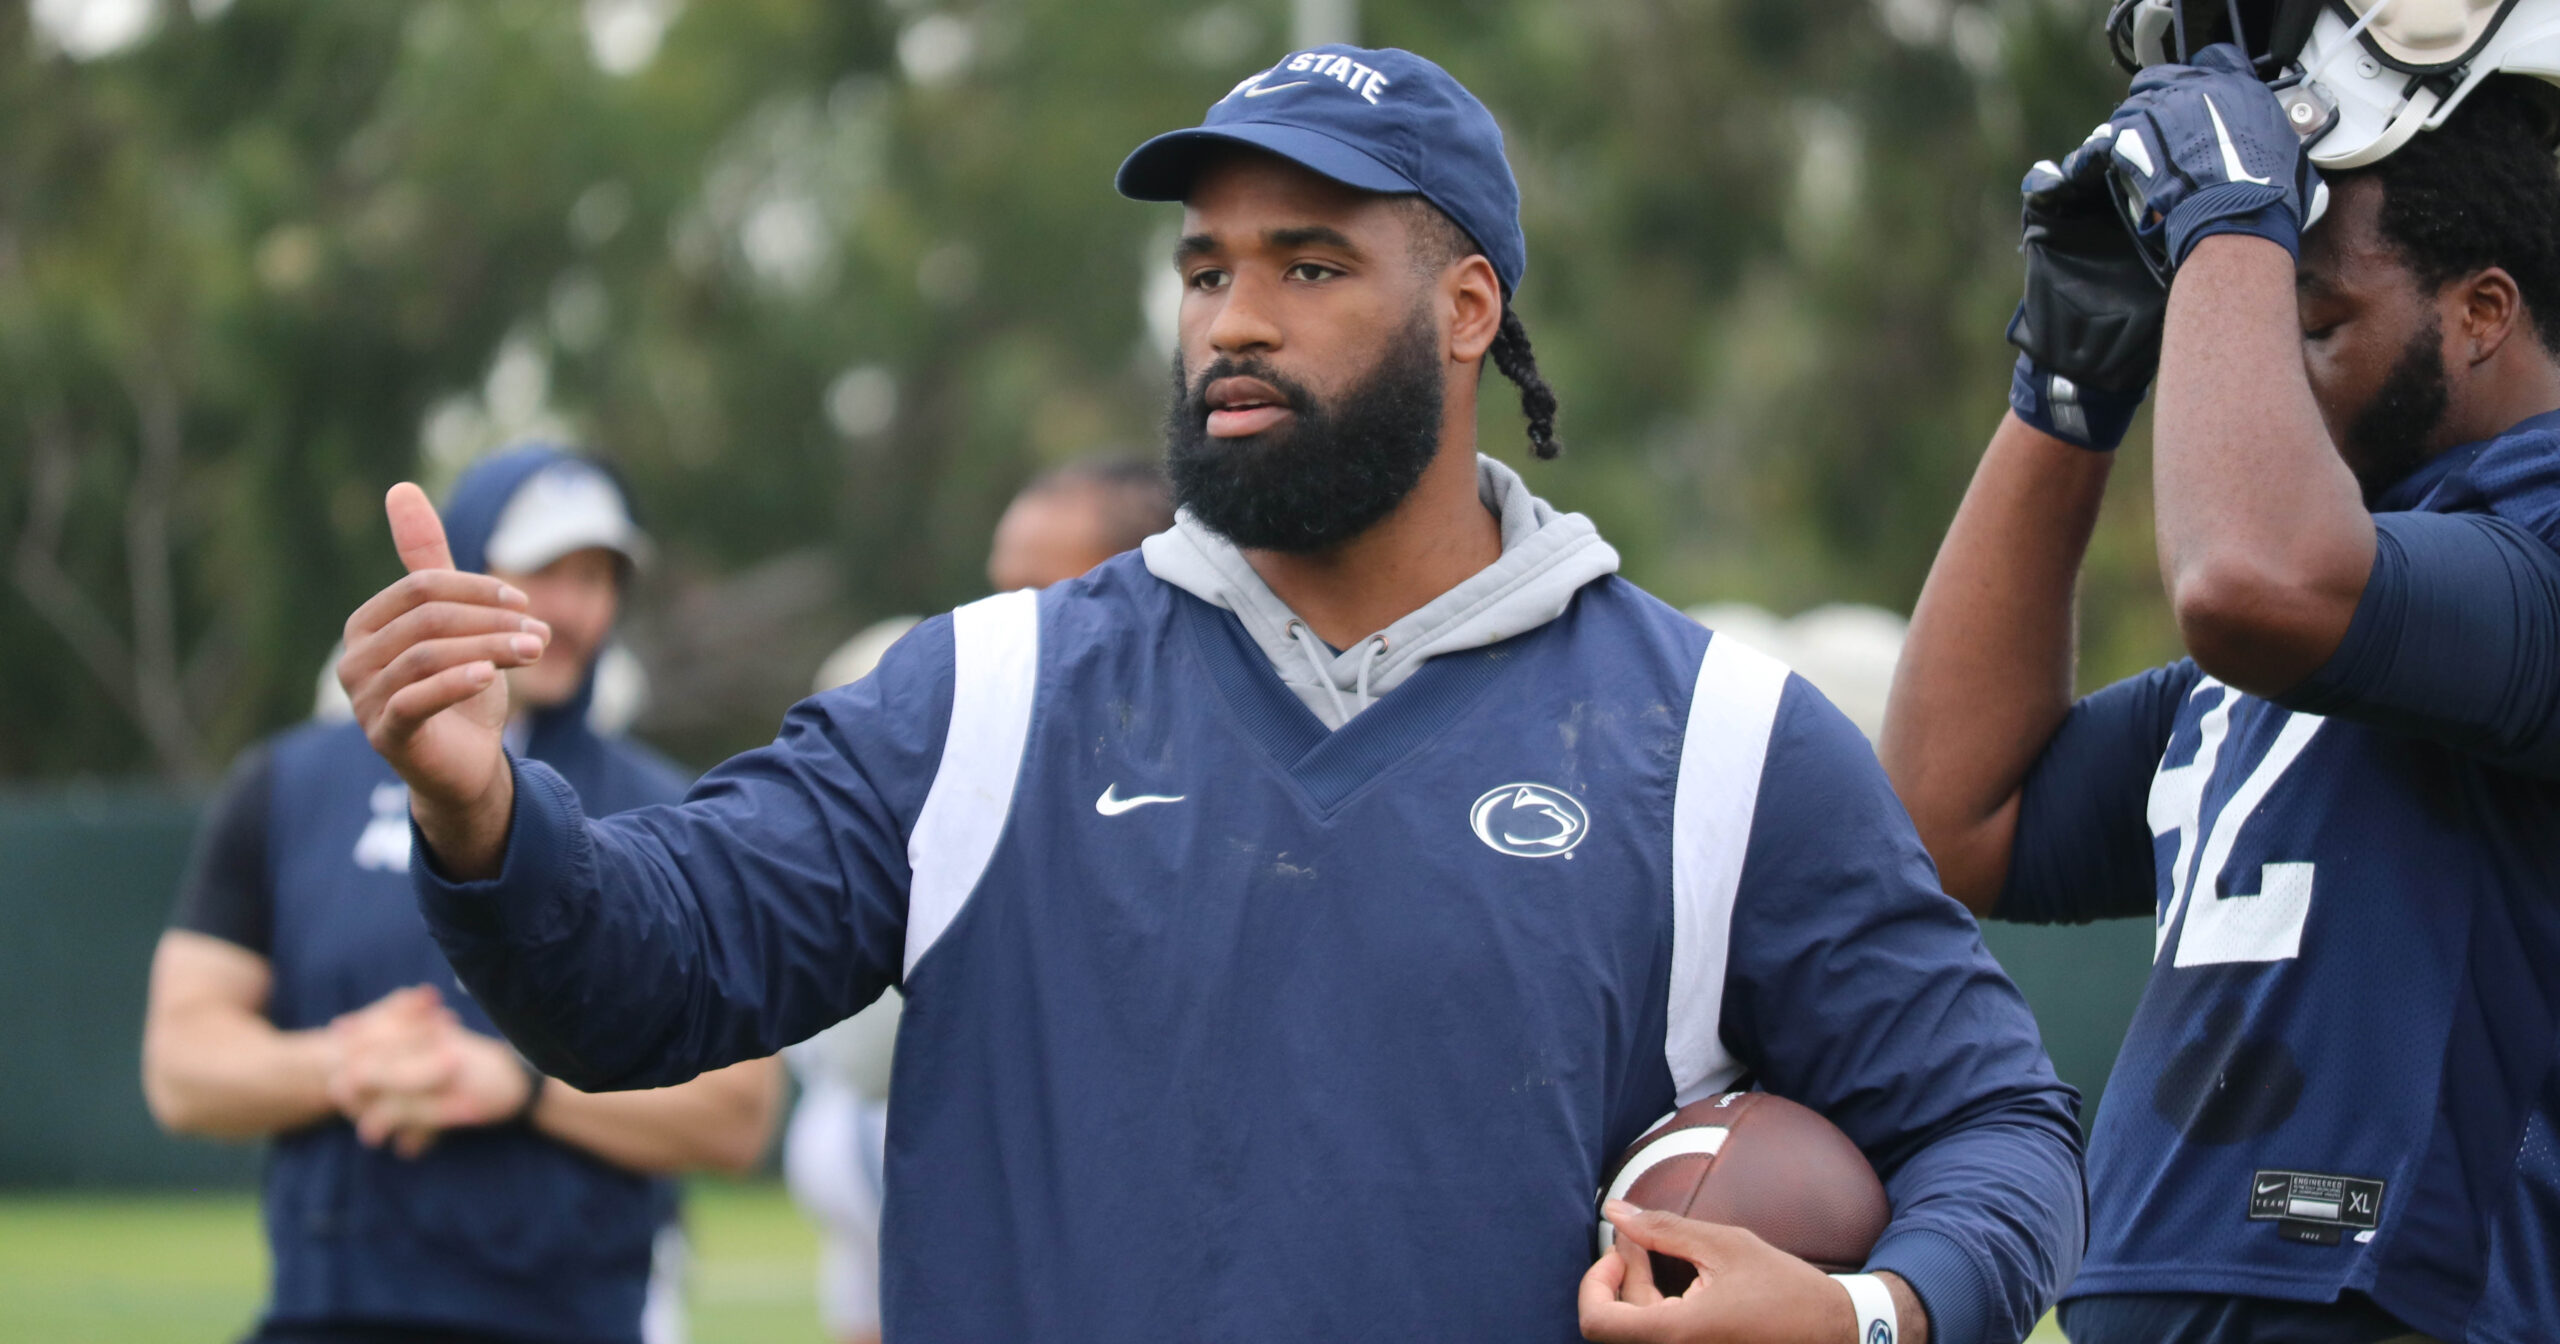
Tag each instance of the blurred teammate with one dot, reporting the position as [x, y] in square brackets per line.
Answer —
[834, 1153]
[1294, 916]
[1075, 517]
[2333, 1118]
[424, 1182]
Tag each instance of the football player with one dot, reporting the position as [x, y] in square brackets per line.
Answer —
[2332, 1120]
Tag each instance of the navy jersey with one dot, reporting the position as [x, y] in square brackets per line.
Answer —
[2343, 1075]
[1220, 1025]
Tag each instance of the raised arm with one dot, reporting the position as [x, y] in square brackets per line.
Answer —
[1985, 678]
[2264, 538]
[2439, 625]
[2442, 626]
[2265, 543]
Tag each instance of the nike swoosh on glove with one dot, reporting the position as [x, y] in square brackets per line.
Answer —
[2088, 328]
[2203, 149]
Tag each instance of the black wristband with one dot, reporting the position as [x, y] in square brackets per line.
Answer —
[533, 1084]
[2086, 417]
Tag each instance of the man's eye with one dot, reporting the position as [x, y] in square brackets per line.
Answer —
[1308, 270]
[1207, 279]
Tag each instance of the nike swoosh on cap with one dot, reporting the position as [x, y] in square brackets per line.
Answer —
[1111, 806]
[1260, 89]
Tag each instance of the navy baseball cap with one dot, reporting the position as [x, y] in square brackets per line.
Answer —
[1385, 121]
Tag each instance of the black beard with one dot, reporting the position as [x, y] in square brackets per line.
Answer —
[2394, 434]
[1326, 476]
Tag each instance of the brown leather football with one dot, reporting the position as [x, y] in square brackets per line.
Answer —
[1755, 1161]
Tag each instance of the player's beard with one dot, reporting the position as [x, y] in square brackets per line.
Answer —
[1326, 475]
[2395, 433]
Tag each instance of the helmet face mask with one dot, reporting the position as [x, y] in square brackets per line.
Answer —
[2359, 78]
[2159, 32]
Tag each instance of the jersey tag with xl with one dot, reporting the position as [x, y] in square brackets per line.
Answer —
[2312, 1208]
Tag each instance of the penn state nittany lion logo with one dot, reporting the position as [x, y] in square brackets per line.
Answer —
[1529, 821]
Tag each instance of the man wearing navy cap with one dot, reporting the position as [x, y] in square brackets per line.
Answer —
[1296, 916]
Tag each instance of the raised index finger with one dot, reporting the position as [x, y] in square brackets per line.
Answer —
[416, 532]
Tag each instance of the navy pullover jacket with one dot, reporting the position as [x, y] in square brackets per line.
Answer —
[1220, 1025]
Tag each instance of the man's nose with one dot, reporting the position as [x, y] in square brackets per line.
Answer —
[1244, 323]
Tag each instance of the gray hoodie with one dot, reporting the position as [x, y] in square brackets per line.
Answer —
[1546, 558]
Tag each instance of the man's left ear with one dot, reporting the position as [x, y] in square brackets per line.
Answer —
[2491, 305]
[1474, 296]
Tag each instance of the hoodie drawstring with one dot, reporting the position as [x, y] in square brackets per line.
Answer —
[1369, 655]
[1305, 639]
[1370, 652]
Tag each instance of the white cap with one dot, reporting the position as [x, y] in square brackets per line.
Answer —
[567, 506]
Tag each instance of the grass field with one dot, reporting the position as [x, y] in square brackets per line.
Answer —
[178, 1269]
[162, 1269]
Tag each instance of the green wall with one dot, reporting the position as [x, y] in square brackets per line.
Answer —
[86, 878]
[2084, 981]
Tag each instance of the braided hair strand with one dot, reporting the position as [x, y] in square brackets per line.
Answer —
[1511, 354]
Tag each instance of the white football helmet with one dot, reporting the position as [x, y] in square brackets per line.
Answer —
[2358, 78]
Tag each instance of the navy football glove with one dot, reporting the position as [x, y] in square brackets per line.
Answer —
[2204, 149]
[2088, 330]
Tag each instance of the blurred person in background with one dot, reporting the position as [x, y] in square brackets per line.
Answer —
[1075, 517]
[1062, 524]
[424, 1181]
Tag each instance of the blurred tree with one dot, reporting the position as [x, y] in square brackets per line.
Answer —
[831, 278]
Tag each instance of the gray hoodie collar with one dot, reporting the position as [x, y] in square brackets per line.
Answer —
[1546, 558]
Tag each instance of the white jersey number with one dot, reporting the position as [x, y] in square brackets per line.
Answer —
[2262, 926]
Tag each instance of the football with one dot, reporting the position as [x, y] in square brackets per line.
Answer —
[1756, 1161]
